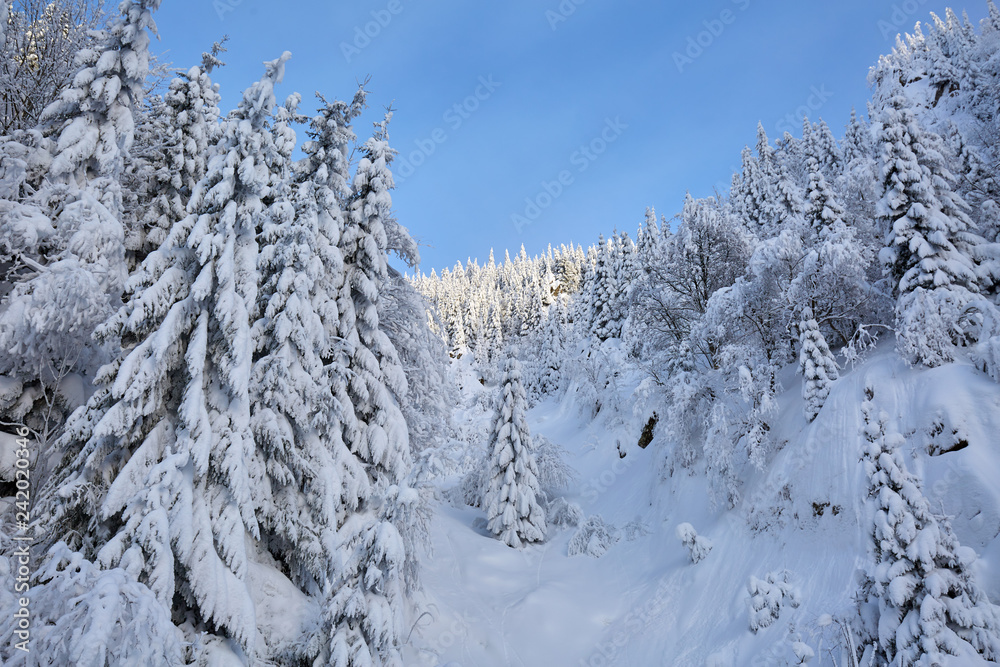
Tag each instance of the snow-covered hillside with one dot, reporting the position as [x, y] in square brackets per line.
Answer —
[644, 602]
[762, 432]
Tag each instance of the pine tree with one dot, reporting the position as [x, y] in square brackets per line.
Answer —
[93, 117]
[857, 140]
[823, 146]
[551, 348]
[858, 184]
[928, 604]
[84, 615]
[191, 120]
[822, 207]
[817, 365]
[778, 199]
[511, 499]
[298, 404]
[79, 281]
[929, 245]
[365, 605]
[161, 474]
[606, 290]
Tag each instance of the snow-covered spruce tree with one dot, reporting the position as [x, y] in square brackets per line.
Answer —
[817, 365]
[161, 474]
[698, 547]
[551, 349]
[822, 207]
[79, 280]
[774, 200]
[858, 186]
[403, 315]
[191, 120]
[823, 146]
[919, 599]
[93, 117]
[603, 291]
[83, 615]
[929, 245]
[766, 598]
[365, 606]
[511, 501]
[593, 538]
[299, 411]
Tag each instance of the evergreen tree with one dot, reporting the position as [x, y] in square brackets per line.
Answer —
[84, 615]
[191, 110]
[822, 208]
[857, 143]
[823, 146]
[817, 365]
[606, 290]
[365, 606]
[551, 348]
[511, 500]
[298, 406]
[93, 118]
[929, 245]
[928, 604]
[858, 184]
[79, 280]
[161, 473]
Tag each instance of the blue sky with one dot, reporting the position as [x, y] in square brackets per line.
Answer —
[572, 117]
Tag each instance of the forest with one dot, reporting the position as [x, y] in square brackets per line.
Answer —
[232, 433]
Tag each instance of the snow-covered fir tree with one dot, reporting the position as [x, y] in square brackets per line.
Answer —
[68, 234]
[698, 547]
[86, 615]
[191, 120]
[365, 608]
[298, 407]
[161, 472]
[920, 601]
[929, 242]
[513, 511]
[817, 365]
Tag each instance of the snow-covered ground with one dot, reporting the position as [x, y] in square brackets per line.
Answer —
[644, 602]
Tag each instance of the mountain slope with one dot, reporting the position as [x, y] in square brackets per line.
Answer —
[644, 602]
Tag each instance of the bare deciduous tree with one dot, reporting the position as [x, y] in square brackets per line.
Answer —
[38, 53]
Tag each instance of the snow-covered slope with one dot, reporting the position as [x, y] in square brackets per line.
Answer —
[803, 518]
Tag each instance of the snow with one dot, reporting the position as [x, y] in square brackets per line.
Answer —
[283, 611]
[643, 602]
[271, 378]
[8, 447]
